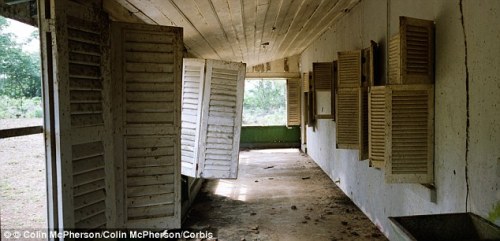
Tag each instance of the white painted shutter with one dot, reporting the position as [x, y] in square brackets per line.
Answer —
[147, 70]
[77, 115]
[193, 76]
[409, 142]
[221, 119]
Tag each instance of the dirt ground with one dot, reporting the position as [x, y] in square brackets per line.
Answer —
[279, 195]
[22, 178]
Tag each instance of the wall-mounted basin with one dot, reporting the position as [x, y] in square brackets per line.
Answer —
[444, 227]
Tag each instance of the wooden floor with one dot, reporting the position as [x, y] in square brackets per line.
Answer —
[280, 194]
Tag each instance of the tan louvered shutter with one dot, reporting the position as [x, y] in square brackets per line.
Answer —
[411, 52]
[293, 102]
[311, 103]
[77, 115]
[376, 126]
[351, 107]
[409, 133]
[148, 67]
[363, 124]
[323, 80]
[305, 82]
[221, 119]
[347, 118]
[323, 75]
[368, 65]
[193, 76]
[349, 69]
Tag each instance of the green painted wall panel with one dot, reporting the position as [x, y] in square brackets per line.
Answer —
[269, 137]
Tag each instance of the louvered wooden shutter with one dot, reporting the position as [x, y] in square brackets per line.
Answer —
[75, 64]
[348, 118]
[409, 133]
[368, 65]
[323, 78]
[376, 100]
[411, 52]
[351, 105]
[323, 75]
[334, 89]
[193, 76]
[293, 102]
[221, 119]
[148, 66]
[363, 124]
[305, 82]
[311, 102]
[349, 67]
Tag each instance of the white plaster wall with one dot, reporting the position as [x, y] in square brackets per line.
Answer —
[365, 185]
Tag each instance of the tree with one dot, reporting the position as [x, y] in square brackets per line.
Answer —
[19, 70]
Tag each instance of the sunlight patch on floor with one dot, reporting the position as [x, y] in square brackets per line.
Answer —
[287, 150]
[230, 190]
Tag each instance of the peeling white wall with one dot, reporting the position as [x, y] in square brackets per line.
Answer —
[365, 185]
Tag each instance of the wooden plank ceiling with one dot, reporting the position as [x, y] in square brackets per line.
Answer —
[250, 31]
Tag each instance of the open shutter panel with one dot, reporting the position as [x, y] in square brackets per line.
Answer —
[351, 104]
[221, 119]
[376, 99]
[348, 118]
[305, 82]
[395, 59]
[363, 124]
[323, 75]
[293, 102]
[411, 52]
[89, 151]
[149, 62]
[193, 76]
[349, 69]
[368, 65]
[334, 86]
[77, 87]
[409, 133]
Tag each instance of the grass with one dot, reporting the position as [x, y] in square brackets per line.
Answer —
[20, 108]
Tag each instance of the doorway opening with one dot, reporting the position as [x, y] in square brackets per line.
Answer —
[265, 116]
[22, 152]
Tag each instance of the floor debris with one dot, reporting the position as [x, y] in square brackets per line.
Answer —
[287, 208]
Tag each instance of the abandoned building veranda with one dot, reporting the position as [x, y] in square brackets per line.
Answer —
[390, 113]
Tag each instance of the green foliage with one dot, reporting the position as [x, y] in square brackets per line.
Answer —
[265, 102]
[20, 107]
[19, 70]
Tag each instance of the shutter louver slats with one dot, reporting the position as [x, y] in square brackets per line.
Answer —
[305, 82]
[151, 124]
[363, 123]
[293, 102]
[349, 69]
[377, 126]
[192, 96]
[221, 119]
[87, 114]
[347, 118]
[212, 107]
[409, 136]
[411, 52]
[350, 104]
[394, 60]
[323, 75]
